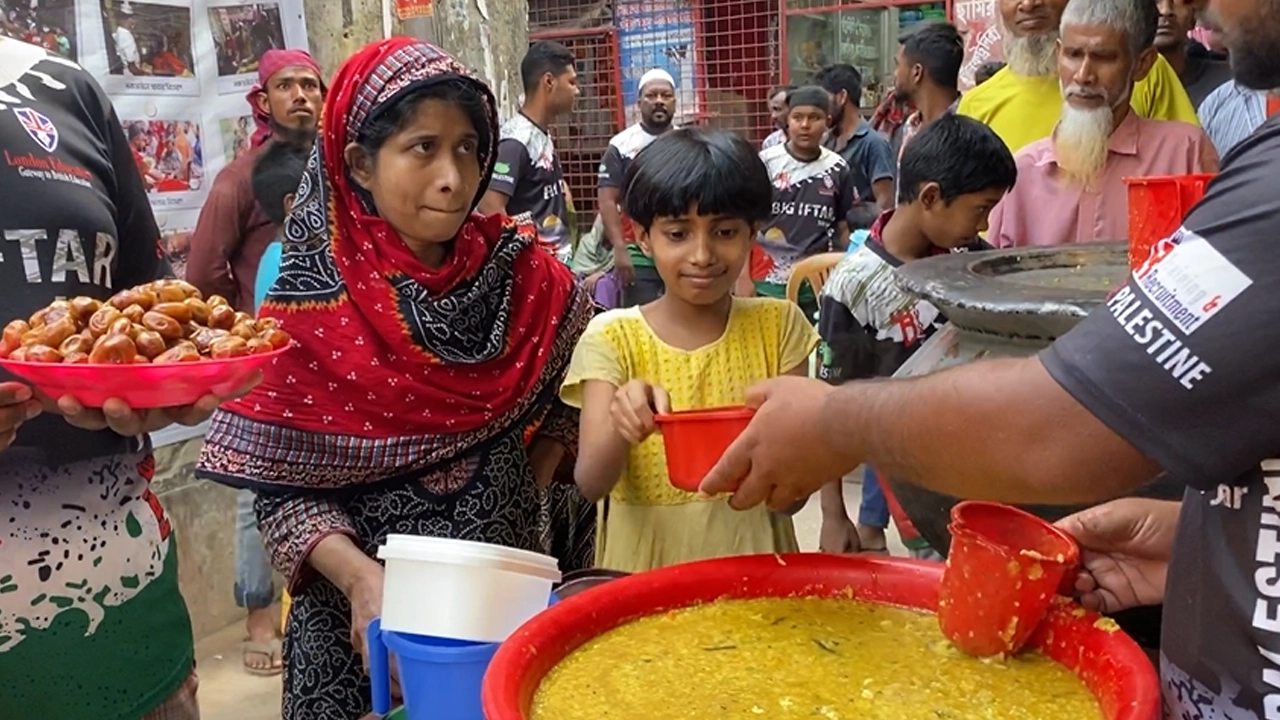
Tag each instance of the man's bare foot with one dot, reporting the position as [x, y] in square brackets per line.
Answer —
[872, 539]
[261, 651]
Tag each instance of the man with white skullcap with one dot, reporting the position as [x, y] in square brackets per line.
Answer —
[633, 270]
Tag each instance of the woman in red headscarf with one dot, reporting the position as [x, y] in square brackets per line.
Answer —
[421, 395]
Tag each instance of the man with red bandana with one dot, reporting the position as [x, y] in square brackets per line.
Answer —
[226, 249]
[232, 232]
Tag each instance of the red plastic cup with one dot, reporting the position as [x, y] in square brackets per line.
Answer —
[1157, 206]
[1003, 571]
[696, 439]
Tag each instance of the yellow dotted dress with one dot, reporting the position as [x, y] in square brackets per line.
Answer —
[646, 523]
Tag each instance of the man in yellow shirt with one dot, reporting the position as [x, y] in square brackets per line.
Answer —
[1022, 102]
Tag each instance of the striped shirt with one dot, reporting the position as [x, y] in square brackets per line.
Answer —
[777, 137]
[1231, 113]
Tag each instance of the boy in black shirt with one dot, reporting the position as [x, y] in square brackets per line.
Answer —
[952, 173]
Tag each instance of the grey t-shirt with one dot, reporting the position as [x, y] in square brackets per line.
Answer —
[1184, 362]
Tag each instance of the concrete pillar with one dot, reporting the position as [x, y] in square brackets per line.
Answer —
[488, 36]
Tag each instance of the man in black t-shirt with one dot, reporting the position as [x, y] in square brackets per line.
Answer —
[528, 182]
[1176, 374]
[92, 624]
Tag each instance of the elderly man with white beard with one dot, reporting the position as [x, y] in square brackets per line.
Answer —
[1021, 101]
[1071, 184]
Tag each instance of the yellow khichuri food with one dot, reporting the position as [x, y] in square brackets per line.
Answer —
[801, 658]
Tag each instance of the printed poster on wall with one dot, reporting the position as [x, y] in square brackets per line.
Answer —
[177, 72]
[979, 23]
[658, 34]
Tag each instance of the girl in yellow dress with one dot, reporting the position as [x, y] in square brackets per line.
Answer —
[697, 199]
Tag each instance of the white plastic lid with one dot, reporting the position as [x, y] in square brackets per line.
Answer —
[467, 552]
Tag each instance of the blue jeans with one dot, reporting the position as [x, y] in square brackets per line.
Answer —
[874, 510]
[255, 589]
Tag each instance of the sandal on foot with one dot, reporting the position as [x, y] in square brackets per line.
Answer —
[270, 650]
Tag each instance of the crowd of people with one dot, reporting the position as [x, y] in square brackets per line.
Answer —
[34, 23]
[243, 34]
[466, 364]
[169, 155]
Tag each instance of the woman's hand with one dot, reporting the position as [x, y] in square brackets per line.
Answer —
[634, 406]
[1126, 545]
[17, 405]
[117, 416]
[365, 593]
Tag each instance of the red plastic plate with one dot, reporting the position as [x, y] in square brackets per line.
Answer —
[141, 386]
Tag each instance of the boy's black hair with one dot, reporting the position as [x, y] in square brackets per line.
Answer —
[862, 215]
[939, 49]
[544, 56]
[276, 174]
[960, 154]
[841, 76]
[718, 170]
[809, 95]
[987, 70]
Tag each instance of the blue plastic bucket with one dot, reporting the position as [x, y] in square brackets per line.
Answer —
[440, 677]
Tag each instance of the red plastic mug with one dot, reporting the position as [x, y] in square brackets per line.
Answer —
[1157, 206]
[696, 439]
[1004, 569]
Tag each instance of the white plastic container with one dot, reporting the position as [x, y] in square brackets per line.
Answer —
[460, 589]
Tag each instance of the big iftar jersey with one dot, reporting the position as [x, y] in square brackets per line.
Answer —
[810, 198]
[1182, 363]
[1022, 110]
[623, 148]
[92, 625]
[528, 172]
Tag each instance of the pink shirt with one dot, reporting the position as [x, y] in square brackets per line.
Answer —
[1044, 210]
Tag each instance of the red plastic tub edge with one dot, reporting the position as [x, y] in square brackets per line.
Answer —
[1121, 676]
[720, 413]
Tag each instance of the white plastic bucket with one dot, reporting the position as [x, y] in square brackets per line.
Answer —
[460, 589]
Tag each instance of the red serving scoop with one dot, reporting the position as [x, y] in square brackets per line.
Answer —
[1005, 568]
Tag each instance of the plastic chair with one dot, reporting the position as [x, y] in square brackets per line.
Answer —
[814, 270]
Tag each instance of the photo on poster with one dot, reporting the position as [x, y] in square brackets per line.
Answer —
[169, 155]
[148, 47]
[176, 245]
[237, 136]
[242, 33]
[48, 23]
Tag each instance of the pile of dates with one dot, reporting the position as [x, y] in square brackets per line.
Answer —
[167, 321]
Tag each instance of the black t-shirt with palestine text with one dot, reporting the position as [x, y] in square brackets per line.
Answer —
[1184, 362]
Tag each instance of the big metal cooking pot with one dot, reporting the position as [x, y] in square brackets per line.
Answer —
[1012, 303]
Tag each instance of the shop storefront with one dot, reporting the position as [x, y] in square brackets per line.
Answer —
[817, 33]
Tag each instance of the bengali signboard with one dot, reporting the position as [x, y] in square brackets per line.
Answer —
[978, 21]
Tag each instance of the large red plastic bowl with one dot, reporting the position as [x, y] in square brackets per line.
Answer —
[1157, 206]
[141, 386]
[1111, 665]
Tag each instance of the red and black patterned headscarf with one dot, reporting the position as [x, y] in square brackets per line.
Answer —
[396, 366]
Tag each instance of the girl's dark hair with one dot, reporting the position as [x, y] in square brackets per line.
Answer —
[809, 96]
[393, 115]
[276, 174]
[718, 170]
[960, 154]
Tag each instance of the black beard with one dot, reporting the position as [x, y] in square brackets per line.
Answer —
[303, 137]
[1253, 62]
